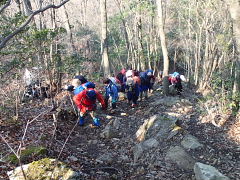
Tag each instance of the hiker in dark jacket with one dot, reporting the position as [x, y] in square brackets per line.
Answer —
[132, 89]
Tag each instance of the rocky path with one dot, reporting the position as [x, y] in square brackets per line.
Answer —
[145, 143]
[162, 138]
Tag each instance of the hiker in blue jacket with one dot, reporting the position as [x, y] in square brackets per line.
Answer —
[111, 92]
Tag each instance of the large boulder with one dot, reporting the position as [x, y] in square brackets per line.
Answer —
[207, 172]
[157, 126]
[44, 169]
[180, 157]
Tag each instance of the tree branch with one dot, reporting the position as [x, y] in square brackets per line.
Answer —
[5, 6]
[10, 36]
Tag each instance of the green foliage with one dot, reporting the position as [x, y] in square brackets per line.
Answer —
[28, 153]
[2, 2]
[9, 24]
[72, 64]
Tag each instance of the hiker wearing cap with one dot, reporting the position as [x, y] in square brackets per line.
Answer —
[150, 80]
[86, 102]
[111, 92]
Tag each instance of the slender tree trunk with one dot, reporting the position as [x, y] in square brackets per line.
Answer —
[69, 30]
[126, 36]
[234, 9]
[104, 41]
[164, 48]
[139, 37]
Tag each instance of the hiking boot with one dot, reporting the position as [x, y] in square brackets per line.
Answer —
[96, 122]
[81, 121]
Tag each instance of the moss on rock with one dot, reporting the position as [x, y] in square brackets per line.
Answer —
[45, 169]
[27, 153]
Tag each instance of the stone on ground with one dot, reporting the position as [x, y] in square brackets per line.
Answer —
[191, 142]
[180, 157]
[207, 172]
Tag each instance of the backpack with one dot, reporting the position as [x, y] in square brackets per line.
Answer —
[113, 80]
[130, 83]
[143, 77]
[91, 95]
[83, 86]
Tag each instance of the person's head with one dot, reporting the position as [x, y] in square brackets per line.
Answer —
[76, 82]
[129, 73]
[123, 71]
[106, 81]
[81, 78]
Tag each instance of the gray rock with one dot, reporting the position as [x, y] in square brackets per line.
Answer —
[167, 101]
[116, 123]
[180, 157]
[137, 152]
[124, 158]
[150, 143]
[190, 142]
[110, 130]
[73, 158]
[107, 158]
[157, 126]
[44, 169]
[207, 172]
[144, 146]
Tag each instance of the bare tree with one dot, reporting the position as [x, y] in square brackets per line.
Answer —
[164, 46]
[234, 9]
[104, 41]
[28, 20]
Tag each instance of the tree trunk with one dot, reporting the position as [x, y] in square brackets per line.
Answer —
[234, 9]
[27, 7]
[104, 42]
[68, 28]
[164, 48]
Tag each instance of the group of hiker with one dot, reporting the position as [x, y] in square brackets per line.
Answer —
[136, 85]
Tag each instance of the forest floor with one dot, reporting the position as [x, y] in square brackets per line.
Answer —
[97, 157]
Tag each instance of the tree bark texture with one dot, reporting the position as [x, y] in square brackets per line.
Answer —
[104, 41]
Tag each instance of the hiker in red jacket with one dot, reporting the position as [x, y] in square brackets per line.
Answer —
[86, 102]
